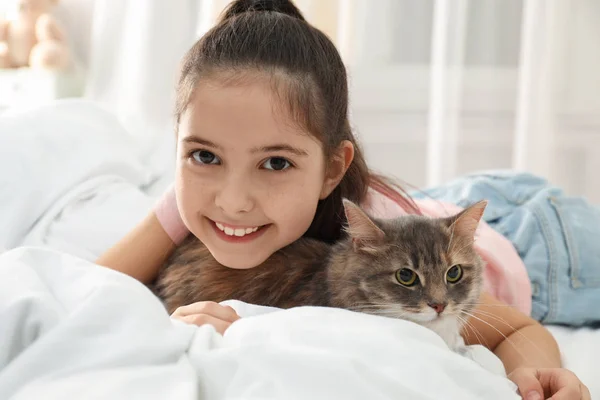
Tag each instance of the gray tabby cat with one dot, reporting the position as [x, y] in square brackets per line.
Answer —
[416, 268]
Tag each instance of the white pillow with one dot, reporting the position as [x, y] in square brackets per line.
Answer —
[47, 150]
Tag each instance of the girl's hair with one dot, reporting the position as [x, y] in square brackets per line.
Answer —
[271, 39]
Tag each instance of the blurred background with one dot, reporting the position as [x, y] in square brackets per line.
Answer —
[439, 88]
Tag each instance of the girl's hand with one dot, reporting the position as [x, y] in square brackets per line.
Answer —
[207, 312]
[549, 383]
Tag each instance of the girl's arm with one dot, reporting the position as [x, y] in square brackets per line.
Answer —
[529, 352]
[515, 338]
[142, 252]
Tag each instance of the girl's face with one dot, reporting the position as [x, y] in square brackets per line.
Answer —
[248, 181]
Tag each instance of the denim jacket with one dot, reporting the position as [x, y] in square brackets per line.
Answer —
[557, 236]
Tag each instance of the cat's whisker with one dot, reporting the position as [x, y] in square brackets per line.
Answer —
[501, 334]
[477, 334]
[451, 238]
[464, 325]
[501, 320]
[370, 305]
[383, 310]
[485, 305]
[389, 313]
[366, 308]
[386, 310]
[373, 304]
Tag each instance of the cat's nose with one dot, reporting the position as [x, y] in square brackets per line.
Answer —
[438, 307]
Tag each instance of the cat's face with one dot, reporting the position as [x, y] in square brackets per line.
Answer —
[415, 267]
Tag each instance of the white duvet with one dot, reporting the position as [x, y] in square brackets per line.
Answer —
[70, 329]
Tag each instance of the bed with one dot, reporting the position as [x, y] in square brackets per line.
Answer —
[71, 185]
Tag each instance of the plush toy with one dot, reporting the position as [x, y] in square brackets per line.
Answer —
[33, 38]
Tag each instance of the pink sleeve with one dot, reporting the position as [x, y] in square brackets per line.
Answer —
[167, 213]
[505, 275]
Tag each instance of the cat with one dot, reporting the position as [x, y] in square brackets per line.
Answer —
[417, 268]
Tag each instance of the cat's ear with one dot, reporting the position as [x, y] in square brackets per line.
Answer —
[366, 236]
[465, 223]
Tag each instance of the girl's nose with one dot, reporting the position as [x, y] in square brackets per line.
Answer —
[234, 196]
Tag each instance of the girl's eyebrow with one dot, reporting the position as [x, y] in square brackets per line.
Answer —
[280, 147]
[199, 140]
[264, 149]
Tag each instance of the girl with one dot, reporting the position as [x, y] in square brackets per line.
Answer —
[266, 154]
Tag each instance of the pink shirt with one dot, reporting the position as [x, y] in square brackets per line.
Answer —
[505, 274]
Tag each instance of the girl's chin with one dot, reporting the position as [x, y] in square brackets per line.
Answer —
[240, 261]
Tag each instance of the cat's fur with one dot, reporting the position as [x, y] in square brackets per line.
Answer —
[357, 273]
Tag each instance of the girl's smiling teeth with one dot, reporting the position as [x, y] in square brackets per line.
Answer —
[239, 232]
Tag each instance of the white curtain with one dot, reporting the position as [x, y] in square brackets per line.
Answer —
[446, 87]
[136, 46]
[439, 87]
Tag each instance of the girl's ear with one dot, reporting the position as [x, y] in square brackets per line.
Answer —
[337, 167]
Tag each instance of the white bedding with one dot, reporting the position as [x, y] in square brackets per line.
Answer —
[70, 181]
[69, 159]
[71, 329]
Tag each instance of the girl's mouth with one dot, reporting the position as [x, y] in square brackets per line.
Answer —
[237, 234]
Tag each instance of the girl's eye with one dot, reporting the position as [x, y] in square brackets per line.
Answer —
[276, 164]
[406, 277]
[205, 157]
[454, 274]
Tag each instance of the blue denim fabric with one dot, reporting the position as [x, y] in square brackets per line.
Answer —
[557, 236]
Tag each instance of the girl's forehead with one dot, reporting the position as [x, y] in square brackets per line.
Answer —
[244, 112]
[236, 99]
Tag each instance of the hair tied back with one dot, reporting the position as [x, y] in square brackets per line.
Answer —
[244, 6]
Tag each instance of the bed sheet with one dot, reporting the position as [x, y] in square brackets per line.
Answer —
[580, 350]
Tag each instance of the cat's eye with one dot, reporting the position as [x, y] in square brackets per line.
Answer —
[454, 274]
[406, 277]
